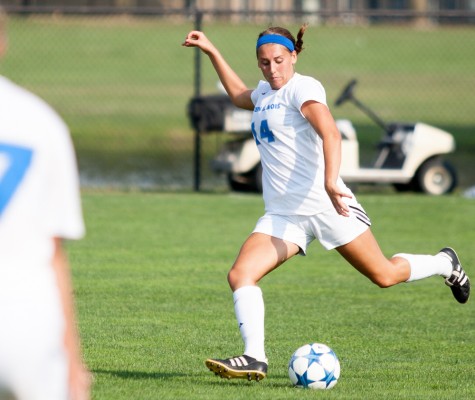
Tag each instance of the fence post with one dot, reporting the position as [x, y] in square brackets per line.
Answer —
[197, 82]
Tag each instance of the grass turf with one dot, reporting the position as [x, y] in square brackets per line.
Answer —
[153, 302]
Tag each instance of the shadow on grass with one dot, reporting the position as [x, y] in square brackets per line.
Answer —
[276, 381]
[244, 385]
[138, 375]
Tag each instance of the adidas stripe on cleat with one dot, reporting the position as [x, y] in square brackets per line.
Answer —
[240, 367]
[458, 281]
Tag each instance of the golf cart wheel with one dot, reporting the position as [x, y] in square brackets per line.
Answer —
[239, 183]
[248, 182]
[436, 177]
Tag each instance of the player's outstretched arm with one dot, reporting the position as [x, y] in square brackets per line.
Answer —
[235, 87]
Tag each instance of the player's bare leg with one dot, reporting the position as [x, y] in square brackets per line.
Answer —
[259, 255]
[365, 255]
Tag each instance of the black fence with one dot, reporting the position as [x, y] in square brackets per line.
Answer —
[123, 83]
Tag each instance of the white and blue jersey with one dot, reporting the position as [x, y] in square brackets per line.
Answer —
[291, 151]
[39, 187]
[39, 201]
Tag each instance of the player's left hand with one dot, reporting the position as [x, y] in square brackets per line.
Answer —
[337, 198]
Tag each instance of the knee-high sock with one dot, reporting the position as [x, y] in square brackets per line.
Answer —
[423, 266]
[249, 308]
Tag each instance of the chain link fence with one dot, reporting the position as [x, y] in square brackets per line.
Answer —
[122, 82]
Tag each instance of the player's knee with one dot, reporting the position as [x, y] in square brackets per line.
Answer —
[238, 278]
[231, 278]
[383, 281]
[234, 278]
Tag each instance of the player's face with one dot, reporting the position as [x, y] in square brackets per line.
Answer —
[276, 64]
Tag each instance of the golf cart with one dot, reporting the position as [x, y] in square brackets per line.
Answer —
[409, 155]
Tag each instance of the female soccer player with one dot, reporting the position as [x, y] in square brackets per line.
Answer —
[305, 199]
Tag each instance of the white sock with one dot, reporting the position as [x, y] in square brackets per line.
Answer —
[249, 309]
[423, 266]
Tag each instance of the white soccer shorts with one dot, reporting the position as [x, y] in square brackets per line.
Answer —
[331, 229]
[33, 362]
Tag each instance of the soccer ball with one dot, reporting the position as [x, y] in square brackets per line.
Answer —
[314, 366]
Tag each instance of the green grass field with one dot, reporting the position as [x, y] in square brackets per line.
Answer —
[153, 302]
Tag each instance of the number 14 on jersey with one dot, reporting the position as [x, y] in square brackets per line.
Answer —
[264, 133]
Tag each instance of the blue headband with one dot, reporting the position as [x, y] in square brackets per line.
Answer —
[277, 39]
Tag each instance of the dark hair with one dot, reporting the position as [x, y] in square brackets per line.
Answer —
[277, 30]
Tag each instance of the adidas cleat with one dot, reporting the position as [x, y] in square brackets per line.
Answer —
[458, 281]
[241, 367]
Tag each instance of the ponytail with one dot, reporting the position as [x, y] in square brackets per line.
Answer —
[299, 43]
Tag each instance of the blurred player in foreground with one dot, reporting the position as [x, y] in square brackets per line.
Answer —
[305, 198]
[40, 356]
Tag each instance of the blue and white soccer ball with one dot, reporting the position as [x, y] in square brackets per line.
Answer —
[314, 366]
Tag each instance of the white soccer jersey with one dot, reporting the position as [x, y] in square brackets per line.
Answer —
[291, 151]
[39, 186]
[39, 200]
